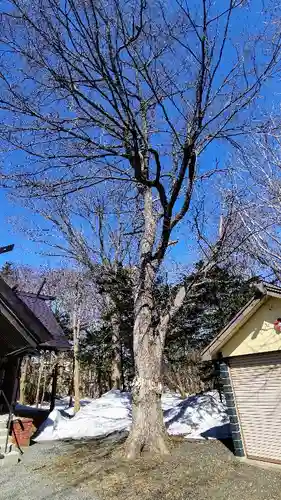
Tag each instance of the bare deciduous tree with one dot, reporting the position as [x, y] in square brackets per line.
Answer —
[23, 379]
[75, 295]
[39, 379]
[84, 231]
[76, 328]
[132, 92]
[256, 180]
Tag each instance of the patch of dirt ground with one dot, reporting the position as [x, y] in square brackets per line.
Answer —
[195, 469]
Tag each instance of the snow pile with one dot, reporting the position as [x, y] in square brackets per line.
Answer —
[200, 416]
[195, 417]
[100, 417]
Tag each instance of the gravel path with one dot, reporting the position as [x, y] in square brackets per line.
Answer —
[95, 471]
[28, 481]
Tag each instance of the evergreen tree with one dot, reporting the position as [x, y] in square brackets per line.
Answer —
[206, 310]
[115, 285]
[209, 306]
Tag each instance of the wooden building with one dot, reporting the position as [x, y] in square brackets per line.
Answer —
[249, 352]
[27, 325]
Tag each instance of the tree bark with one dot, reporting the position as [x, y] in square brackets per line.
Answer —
[40, 373]
[123, 388]
[116, 353]
[44, 387]
[54, 384]
[99, 379]
[23, 379]
[148, 431]
[76, 374]
[76, 379]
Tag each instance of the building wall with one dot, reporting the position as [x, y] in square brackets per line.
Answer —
[257, 334]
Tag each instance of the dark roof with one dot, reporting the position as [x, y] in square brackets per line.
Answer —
[19, 318]
[40, 309]
[35, 295]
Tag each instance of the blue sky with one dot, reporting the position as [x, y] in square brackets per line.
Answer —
[23, 252]
[13, 217]
[27, 252]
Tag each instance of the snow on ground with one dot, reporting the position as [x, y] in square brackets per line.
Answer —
[196, 417]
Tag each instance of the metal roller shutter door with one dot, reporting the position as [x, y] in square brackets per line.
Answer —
[256, 381]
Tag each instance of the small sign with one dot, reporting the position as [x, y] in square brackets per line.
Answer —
[8, 248]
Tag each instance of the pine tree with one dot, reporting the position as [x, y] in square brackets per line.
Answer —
[206, 310]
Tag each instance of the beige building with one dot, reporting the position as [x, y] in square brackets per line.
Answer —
[249, 351]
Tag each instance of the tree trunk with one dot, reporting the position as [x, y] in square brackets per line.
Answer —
[71, 384]
[123, 388]
[148, 431]
[44, 387]
[23, 379]
[54, 384]
[40, 373]
[89, 383]
[76, 374]
[76, 379]
[99, 379]
[116, 353]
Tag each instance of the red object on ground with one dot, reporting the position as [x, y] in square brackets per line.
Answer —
[22, 430]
